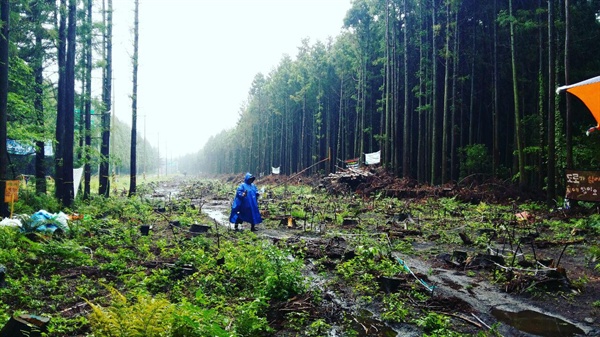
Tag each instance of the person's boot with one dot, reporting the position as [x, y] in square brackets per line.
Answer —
[253, 228]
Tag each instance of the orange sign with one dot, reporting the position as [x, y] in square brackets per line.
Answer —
[11, 192]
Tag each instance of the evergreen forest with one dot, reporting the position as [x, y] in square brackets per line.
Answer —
[49, 51]
[443, 88]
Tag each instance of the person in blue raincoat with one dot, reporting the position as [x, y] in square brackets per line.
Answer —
[245, 204]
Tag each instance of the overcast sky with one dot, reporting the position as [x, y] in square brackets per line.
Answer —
[197, 60]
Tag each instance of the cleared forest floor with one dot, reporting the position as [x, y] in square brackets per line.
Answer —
[358, 253]
[490, 255]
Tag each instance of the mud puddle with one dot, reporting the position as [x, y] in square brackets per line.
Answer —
[537, 323]
[218, 211]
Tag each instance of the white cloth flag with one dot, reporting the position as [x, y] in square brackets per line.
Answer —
[76, 180]
[373, 158]
[275, 170]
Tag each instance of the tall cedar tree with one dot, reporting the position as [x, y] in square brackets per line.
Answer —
[104, 181]
[88, 101]
[69, 132]
[133, 168]
[61, 107]
[551, 190]
[4, 41]
[567, 61]
[435, 162]
[37, 62]
[406, 172]
[518, 133]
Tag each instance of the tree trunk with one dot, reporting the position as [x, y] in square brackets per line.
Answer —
[133, 170]
[88, 104]
[551, 190]
[82, 100]
[406, 133]
[496, 122]
[445, 122]
[421, 143]
[434, 128]
[396, 120]
[303, 132]
[340, 153]
[104, 177]
[568, 121]
[540, 157]
[518, 135]
[61, 107]
[453, 129]
[69, 132]
[38, 64]
[386, 133]
[4, 44]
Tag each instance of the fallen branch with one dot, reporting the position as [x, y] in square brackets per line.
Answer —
[480, 321]
[534, 271]
[364, 327]
[466, 319]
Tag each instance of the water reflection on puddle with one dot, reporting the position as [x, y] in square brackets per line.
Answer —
[367, 325]
[217, 214]
[537, 323]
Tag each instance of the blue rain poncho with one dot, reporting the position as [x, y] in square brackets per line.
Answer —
[245, 204]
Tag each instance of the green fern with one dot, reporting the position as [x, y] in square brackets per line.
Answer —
[147, 317]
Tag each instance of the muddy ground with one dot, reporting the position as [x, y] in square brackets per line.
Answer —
[556, 301]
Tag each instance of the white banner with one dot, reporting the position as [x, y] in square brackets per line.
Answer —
[76, 180]
[275, 170]
[373, 158]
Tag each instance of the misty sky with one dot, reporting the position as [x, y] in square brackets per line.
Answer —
[197, 60]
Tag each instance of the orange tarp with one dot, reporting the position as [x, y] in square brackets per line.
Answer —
[588, 92]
